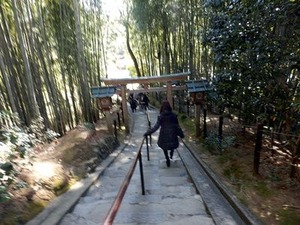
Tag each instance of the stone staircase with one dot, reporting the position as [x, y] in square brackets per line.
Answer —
[170, 198]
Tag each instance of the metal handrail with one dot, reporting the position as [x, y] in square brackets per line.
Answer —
[118, 200]
[149, 126]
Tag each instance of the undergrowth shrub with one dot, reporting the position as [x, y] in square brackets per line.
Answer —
[216, 145]
[17, 141]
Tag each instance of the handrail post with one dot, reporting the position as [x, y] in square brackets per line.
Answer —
[148, 155]
[142, 173]
[149, 125]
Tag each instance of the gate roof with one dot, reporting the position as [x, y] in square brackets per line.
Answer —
[148, 79]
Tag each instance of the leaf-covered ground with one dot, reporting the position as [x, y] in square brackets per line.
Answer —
[272, 195]
[50, 169]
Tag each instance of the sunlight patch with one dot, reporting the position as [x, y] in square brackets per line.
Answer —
[44, 169]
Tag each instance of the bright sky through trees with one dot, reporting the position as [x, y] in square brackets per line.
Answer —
[113, 7]
[118, 60]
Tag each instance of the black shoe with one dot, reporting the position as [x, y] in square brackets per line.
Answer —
[168, 163]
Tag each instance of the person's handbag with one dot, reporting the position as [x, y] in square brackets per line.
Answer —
[180, 132]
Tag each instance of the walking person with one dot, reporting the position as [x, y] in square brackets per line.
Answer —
[169, 130]
[132, 102]
[144, 101]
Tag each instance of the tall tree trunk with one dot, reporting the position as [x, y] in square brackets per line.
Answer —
[35, 56]
[7, 85]
[167, 67]
[86, 98]
[14, 69]
[6, 80]
[104, 57]
[30, 86]
[49, 78]
[136, 65]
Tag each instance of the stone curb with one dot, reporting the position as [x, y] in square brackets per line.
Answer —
[242, 210]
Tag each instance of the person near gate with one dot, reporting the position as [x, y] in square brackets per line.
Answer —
[169, 131]
[144, 101]
[132, 102]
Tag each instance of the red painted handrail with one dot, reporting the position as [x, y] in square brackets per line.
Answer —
[118, 200]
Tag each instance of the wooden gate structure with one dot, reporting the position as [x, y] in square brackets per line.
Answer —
[145, 81]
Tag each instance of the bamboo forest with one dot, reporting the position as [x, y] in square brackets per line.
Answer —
[52, 52]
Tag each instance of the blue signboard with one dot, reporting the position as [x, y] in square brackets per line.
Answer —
[198, 86]
[102, 92]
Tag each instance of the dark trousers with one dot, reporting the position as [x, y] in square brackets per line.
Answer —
[167, 155]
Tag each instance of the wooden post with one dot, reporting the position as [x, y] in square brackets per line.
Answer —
[204, 123]
[295, 159]
[119, 120]
[197, 121]
[221, 127]
[125, 108]
[258, 144]
[109, 121]
[115, 129]
[188, 107]
[169, 92]
[272, 141]
[220, 133]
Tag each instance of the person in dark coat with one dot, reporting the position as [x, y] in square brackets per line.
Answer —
[145, 101]
[132, 102]
[168, 136]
